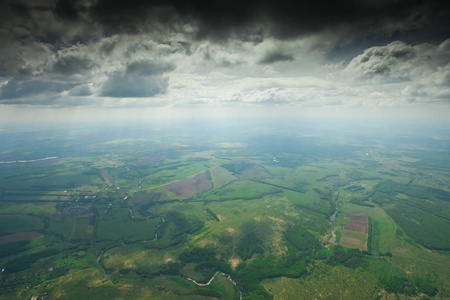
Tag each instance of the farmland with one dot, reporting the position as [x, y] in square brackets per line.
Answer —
[164, 214]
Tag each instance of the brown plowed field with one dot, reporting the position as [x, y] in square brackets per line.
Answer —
[150, 160]
[21, 236]
[357, 223]
[352, 240]
[358, 228]
[189, 186]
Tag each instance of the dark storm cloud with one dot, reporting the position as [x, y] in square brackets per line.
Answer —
[57, 24]
[273, 57]
[147, 68]
[119, 48]
[68, 10]
[139, 79]
[283, 18]
[217, 18]
[72, 64]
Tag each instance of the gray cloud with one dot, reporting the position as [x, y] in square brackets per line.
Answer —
[22, 59]
[17, 89]
[139, 79]
[72, 65]
[410, 73]
[401, 61]
[283, 18]
[83, 52]
[81, 90]
[277, 56]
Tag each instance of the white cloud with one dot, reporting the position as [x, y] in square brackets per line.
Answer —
[401, 61]
[140, 70]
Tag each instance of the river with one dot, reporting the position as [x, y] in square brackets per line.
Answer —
[333, 233]
[214, 276]
[27, 161]
[333, 216]
[156, 238]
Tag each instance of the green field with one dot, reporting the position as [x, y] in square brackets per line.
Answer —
[221, 176]
[110, 218]
[19, 223]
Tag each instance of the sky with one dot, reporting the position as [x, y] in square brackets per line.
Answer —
[123, 59]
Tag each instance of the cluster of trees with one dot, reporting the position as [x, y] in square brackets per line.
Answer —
[171, 268]
[249, 245]
[11, 284]
[354, 188]
[423, 221]
[414, 191]
[25, 261]
[183, 224]
[369, 234]
[351, 258]
[212, 214]
[403, 285]
[249, 274]
[425, 228]
[301, 238]
[206, 261]
[361, 202]
[12, 248]
[175, 230]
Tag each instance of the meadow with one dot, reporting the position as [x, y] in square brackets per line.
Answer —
[165, 214]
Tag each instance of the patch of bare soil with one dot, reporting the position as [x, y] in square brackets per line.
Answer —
[150, 160]
[357, 223]
[189, 186]
[350, 240]
[21, 236]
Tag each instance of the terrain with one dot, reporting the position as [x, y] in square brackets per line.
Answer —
[237, 211]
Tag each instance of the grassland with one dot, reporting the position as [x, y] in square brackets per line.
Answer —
[19, 223]
[325, 283]
[158, 218]
[221, 177]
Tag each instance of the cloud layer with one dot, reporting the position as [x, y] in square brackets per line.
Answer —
[174, 53]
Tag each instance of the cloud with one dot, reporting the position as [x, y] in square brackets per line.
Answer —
[119, 66]
[139, 79]
[72, 64]
[402, 61]
[421, 72]
[22, 59]
[81, 90]
[274, 95]
[282, 19]
[274, 57]
[136, 52]
[18, 89]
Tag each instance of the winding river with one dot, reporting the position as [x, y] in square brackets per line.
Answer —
[213, 277]
[99, 261]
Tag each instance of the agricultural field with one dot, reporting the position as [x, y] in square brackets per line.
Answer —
[189, 186]
[223, 214]
[355, 231]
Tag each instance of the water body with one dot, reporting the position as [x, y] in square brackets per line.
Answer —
[333, 237]
[214, 276]
[333, 216]
[333, 233]
[131, 213]
[27, 161]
